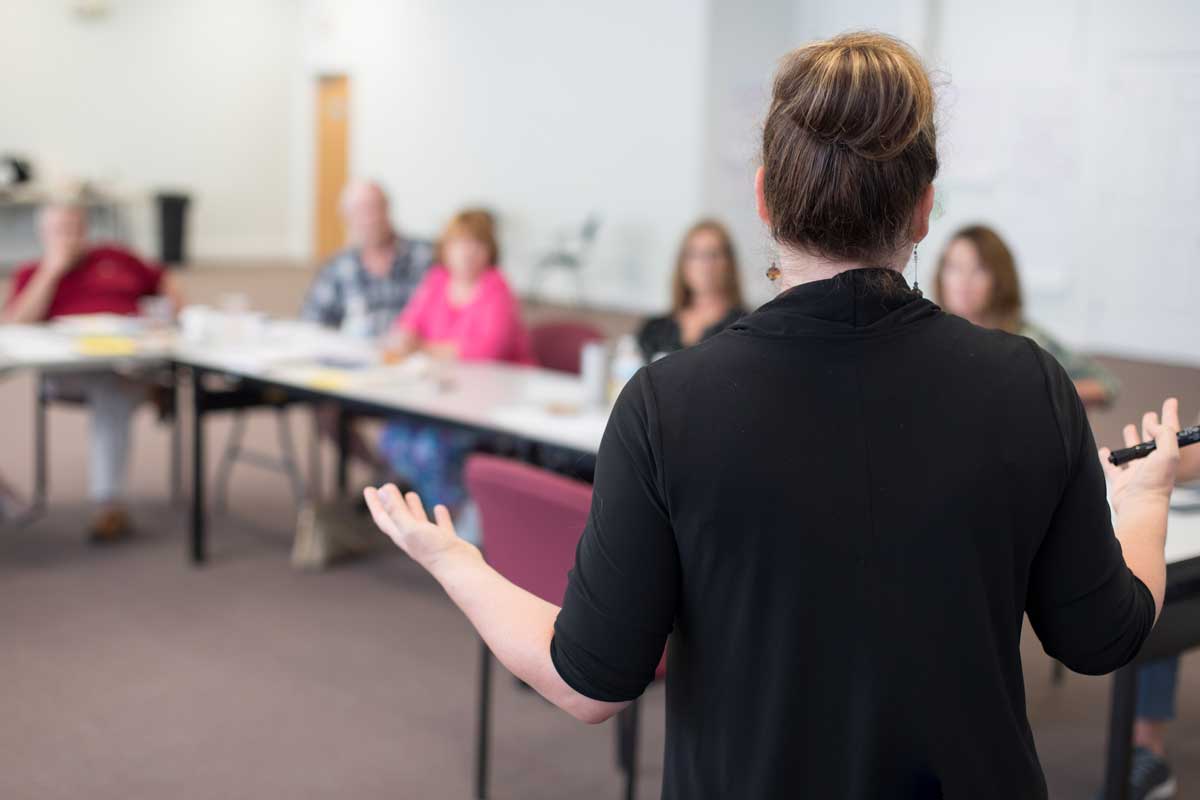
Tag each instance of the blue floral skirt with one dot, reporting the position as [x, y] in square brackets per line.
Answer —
[431, 458]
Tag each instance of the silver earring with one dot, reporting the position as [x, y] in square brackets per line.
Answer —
[916, 274]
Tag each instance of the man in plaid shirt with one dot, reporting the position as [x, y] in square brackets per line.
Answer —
[365, 287]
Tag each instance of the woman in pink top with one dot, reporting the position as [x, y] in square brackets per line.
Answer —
[463, 309]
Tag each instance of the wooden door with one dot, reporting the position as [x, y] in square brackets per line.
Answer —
[333, 159]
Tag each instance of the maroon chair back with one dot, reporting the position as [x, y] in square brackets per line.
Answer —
[532, 520]
[557, 345]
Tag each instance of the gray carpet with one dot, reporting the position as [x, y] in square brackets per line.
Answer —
[127, 673]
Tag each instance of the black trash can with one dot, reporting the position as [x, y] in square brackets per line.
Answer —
[172, 227]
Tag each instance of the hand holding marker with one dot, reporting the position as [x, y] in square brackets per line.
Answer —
[1124, 456]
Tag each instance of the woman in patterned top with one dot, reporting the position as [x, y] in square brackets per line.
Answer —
[977, 280]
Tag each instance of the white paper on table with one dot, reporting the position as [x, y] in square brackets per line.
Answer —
[35, 343]
[1186, 498]
[553, 390]
[415, 368]
[310, 372]
[582, 429]
[1183, 535]
[1183, 524]
[97, 325]
[286, 343]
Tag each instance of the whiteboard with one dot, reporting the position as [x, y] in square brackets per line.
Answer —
[1075, 134]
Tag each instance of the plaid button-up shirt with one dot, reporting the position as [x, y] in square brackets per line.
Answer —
[345, 295]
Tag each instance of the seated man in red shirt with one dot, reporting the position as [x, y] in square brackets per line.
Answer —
[74, 278]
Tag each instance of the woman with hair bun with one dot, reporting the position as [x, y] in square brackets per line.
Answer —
[840, 508]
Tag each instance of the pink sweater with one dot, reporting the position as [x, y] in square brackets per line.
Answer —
[486, 328]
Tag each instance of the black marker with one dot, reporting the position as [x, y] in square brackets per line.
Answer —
[1184, 437]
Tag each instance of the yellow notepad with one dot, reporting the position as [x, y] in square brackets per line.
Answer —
[106, 345]
[328, 379]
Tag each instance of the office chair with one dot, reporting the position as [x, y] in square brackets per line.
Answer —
[532, 520]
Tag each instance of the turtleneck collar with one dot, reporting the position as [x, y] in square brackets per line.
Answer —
[856, 302]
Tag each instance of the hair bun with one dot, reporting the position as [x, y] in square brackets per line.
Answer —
[849, 147]
[864, 92]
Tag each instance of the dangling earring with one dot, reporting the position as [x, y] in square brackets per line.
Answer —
[916, 274]
[773, 272]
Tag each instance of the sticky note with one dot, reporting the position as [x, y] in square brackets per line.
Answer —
[328, 379]
[106, 346]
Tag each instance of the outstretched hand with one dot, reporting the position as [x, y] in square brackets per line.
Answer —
[403, 519]
[1151, 477]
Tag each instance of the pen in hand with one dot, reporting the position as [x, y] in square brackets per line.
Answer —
[1125, 455]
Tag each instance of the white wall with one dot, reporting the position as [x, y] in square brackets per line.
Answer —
[161, 93]
[1069, 127]
[746, 38]
[545, 111]
[911, 20]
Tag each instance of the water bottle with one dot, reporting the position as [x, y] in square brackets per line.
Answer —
[593, 371]
[627, 359]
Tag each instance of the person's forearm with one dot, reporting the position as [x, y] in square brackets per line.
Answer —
[516, 625]
[399, 343]
[169, 288]
[1142, 532]
[31, 304]
[443, 350]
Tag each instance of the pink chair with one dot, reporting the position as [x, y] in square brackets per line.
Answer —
[532, 520]
[557, 345]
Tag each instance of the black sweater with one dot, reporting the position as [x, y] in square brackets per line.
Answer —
[840, 509]
[661, 335]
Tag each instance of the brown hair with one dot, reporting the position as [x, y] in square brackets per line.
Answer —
[476, 223]
[681, 294]
[1004, 304]
[848, 147]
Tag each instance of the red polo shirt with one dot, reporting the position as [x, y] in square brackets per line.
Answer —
[106, 280]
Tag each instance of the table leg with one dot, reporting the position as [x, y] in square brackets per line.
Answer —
[38, 501]
[176, 476]
[483, 721]
[343, 453]
[198, 510]
[316, 472]
[1120, 734]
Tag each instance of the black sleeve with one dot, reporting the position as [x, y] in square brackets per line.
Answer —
[622, 593]
[1090, 612]
[650, 338]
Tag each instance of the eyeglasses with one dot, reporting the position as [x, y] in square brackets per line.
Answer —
[703, 255]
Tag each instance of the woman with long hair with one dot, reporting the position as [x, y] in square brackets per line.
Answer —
[977, 280]
[706, 294]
